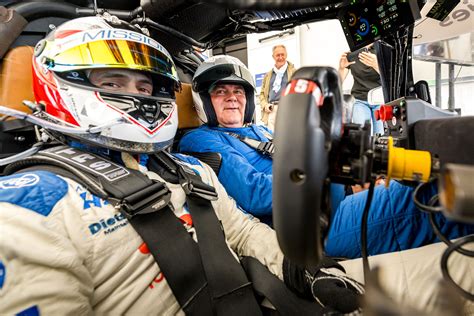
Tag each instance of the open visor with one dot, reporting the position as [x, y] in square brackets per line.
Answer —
[225, 72]
[114, 54]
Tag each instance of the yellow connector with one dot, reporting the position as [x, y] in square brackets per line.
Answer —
[404, 164]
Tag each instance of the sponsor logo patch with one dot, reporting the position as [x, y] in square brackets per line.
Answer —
[95, 164]
[108, 225]
[26, 180]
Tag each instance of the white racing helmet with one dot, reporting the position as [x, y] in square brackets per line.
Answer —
[121, 121]
[221, 69]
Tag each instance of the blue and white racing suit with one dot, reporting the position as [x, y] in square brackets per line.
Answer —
[394, 223]
[64, 251]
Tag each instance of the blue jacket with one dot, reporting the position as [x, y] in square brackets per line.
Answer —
[394, 221]
[245, 173]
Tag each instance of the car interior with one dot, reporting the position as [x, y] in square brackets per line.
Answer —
[189, 27]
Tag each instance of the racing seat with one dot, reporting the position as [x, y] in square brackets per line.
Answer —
[15, 86]
[15, 78]
[188, 119]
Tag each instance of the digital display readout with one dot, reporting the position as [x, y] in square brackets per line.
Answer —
[387, 14]
[365, 21]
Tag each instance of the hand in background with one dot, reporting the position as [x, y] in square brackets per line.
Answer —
[369, 59]
[343, 62]
[268, 108]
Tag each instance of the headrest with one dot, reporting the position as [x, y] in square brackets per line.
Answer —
[187, 114]
[16, 78]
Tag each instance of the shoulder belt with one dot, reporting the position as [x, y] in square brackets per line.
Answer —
[205, 277]
[265, 148]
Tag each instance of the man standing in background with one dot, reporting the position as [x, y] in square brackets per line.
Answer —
[273, 83]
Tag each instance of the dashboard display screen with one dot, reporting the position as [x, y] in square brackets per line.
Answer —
[365, 21]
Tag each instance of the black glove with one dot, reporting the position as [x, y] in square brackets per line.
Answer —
[326, 283]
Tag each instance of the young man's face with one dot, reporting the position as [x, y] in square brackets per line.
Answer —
[122, 80]
[279, 55]
[229, 103]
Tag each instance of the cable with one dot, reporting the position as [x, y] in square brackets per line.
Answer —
[432, 210]
[444, 265]
[363, 229]
[420, 205]
[171, 31]
[398, 64]
[434, 199]
[443, 238]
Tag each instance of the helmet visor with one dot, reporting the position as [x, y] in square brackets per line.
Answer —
[114, 53]
[225, 72]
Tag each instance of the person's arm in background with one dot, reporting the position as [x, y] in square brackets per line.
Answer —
[343, 64]
[369, 59]
[251, 188]
[263, 97]
[394, 222]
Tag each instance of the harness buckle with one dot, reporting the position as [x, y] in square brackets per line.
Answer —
[266, 148]
[148, 200]
[199, 189]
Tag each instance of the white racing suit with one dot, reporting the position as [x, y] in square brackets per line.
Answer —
[64, 251]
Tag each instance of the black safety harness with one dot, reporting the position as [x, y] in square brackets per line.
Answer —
[265, 148]
[205, 277]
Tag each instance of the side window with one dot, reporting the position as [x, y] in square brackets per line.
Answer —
[443, 55]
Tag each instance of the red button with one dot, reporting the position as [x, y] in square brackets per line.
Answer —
[386, 113]
[377, 115]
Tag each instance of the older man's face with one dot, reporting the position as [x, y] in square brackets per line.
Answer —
[279, 55]
[229, 103]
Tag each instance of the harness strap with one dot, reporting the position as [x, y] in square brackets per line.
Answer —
[265, 148]
[146, 205]
[231, 291]
[178, 257]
